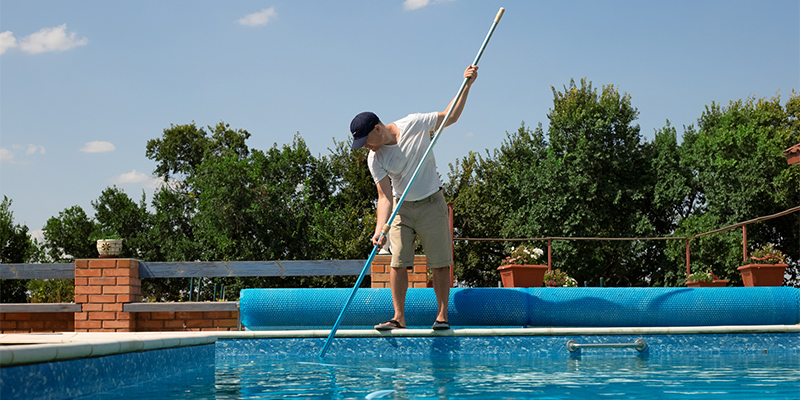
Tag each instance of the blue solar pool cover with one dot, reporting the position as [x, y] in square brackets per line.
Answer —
[278, 309]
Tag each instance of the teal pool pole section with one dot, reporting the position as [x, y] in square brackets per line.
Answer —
[410, 183]
[350, 299]
[289, 309]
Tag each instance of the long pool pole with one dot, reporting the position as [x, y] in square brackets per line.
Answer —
[411, 182]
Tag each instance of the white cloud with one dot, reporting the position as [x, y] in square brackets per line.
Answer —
[6, 155]
[7, 41]
[135, 176]
[37, 235]
[32, 149]
[50, 39]
[260, 18]
[97, 147]
[410, 5]
[10, 156]
[132, 177]
[414, 4]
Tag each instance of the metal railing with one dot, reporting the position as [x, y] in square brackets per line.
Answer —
[687, 239]
[195, 269]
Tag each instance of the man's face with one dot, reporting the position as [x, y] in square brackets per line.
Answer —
[373, 141]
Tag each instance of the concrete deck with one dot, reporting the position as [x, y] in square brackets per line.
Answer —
[31, 348]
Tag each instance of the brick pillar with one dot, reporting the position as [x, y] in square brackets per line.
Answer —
[102, 286]
[382, 264]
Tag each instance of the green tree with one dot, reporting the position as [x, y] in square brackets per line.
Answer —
[266, 207]
[673, 196]
[167, 236]
[15, 244]
[189, 161]
[171, 227]
[182, 148]
[593, 176]
[69, 236]
[117, 214]
[596, 181]
[488, 193]
[256, 207]
[224, 201]
[15, 247]
[343, 226]
[178, 153]
[736, 159]
[675, 191]
[19, 248]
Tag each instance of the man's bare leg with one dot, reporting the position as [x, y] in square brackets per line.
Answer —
[398, 281]
[441, 286]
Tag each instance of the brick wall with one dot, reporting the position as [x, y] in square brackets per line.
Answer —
[187, 321]
[102, 286]
[382, 264]
[46, 322]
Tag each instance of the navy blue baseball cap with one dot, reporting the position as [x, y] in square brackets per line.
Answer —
[361, 126]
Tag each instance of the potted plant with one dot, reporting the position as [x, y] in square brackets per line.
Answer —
[557, 278]
[705, 279]
[520, 268]
[109, 246]
[767, 267]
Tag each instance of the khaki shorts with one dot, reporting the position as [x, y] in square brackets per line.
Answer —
[429, 220]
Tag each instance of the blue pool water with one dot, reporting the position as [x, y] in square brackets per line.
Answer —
[710, 377]
[736, 366]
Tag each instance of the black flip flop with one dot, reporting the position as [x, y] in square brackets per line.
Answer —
[440, 326]
[389, 325]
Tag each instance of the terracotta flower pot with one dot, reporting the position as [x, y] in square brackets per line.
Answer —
[109, 248]
[714, 283]
[763, 274]
[515, 275]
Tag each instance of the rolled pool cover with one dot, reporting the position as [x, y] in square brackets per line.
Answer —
[284, 309]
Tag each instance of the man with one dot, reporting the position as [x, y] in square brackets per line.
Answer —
[395, 152]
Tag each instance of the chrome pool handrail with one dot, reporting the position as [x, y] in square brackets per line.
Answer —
[639, 345]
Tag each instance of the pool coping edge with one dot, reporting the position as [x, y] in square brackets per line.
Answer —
[546, 331]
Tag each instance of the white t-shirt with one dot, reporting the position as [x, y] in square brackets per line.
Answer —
[399, 161]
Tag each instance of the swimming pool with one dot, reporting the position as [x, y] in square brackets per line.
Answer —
[518, 350]
[458, 364]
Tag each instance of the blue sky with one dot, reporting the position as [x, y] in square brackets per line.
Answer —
[85, 84]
